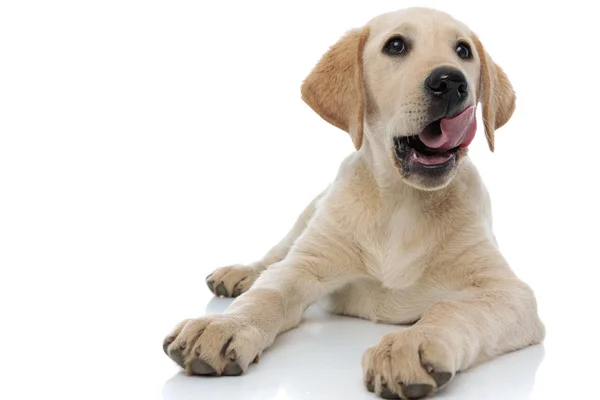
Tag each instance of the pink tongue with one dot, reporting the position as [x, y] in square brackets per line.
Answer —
[457, 131]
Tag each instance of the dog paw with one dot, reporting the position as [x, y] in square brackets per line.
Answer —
[410, 364]
[214, 345]
[231, 281]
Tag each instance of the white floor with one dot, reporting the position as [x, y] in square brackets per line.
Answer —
[321, 360]
[110, 348]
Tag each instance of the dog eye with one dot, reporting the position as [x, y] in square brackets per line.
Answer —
[463, 50]
[395, 46]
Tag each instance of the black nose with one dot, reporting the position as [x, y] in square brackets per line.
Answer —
[448, 85]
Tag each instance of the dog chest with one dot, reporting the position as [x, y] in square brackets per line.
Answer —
[397, 249]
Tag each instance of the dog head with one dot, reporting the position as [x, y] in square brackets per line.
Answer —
[410, 81]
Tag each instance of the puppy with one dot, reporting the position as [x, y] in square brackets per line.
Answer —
[403, 234]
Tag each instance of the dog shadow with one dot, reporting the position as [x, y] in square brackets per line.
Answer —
[322, 359]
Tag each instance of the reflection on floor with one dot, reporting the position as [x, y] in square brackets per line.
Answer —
[321, 360]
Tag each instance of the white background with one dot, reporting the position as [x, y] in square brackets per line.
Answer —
[145, 143]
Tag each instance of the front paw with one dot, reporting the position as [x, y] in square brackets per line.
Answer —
[231, 281]
[214, 345]
[411, 364]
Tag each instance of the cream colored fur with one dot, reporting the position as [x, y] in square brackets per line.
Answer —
[377, 244]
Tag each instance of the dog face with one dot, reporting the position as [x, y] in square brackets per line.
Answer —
[410, 81]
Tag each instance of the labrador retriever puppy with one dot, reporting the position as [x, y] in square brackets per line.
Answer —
[404, 233]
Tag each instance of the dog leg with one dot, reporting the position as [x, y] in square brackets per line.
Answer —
[226, 344]
[472, 326]
[233, 280]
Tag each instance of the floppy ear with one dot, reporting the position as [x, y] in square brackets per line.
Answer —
[334, 88]
[495, 93]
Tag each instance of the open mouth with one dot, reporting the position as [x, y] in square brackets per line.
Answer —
[414, 151]
[439, 144]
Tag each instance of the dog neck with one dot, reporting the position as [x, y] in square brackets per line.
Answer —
[379, 160]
